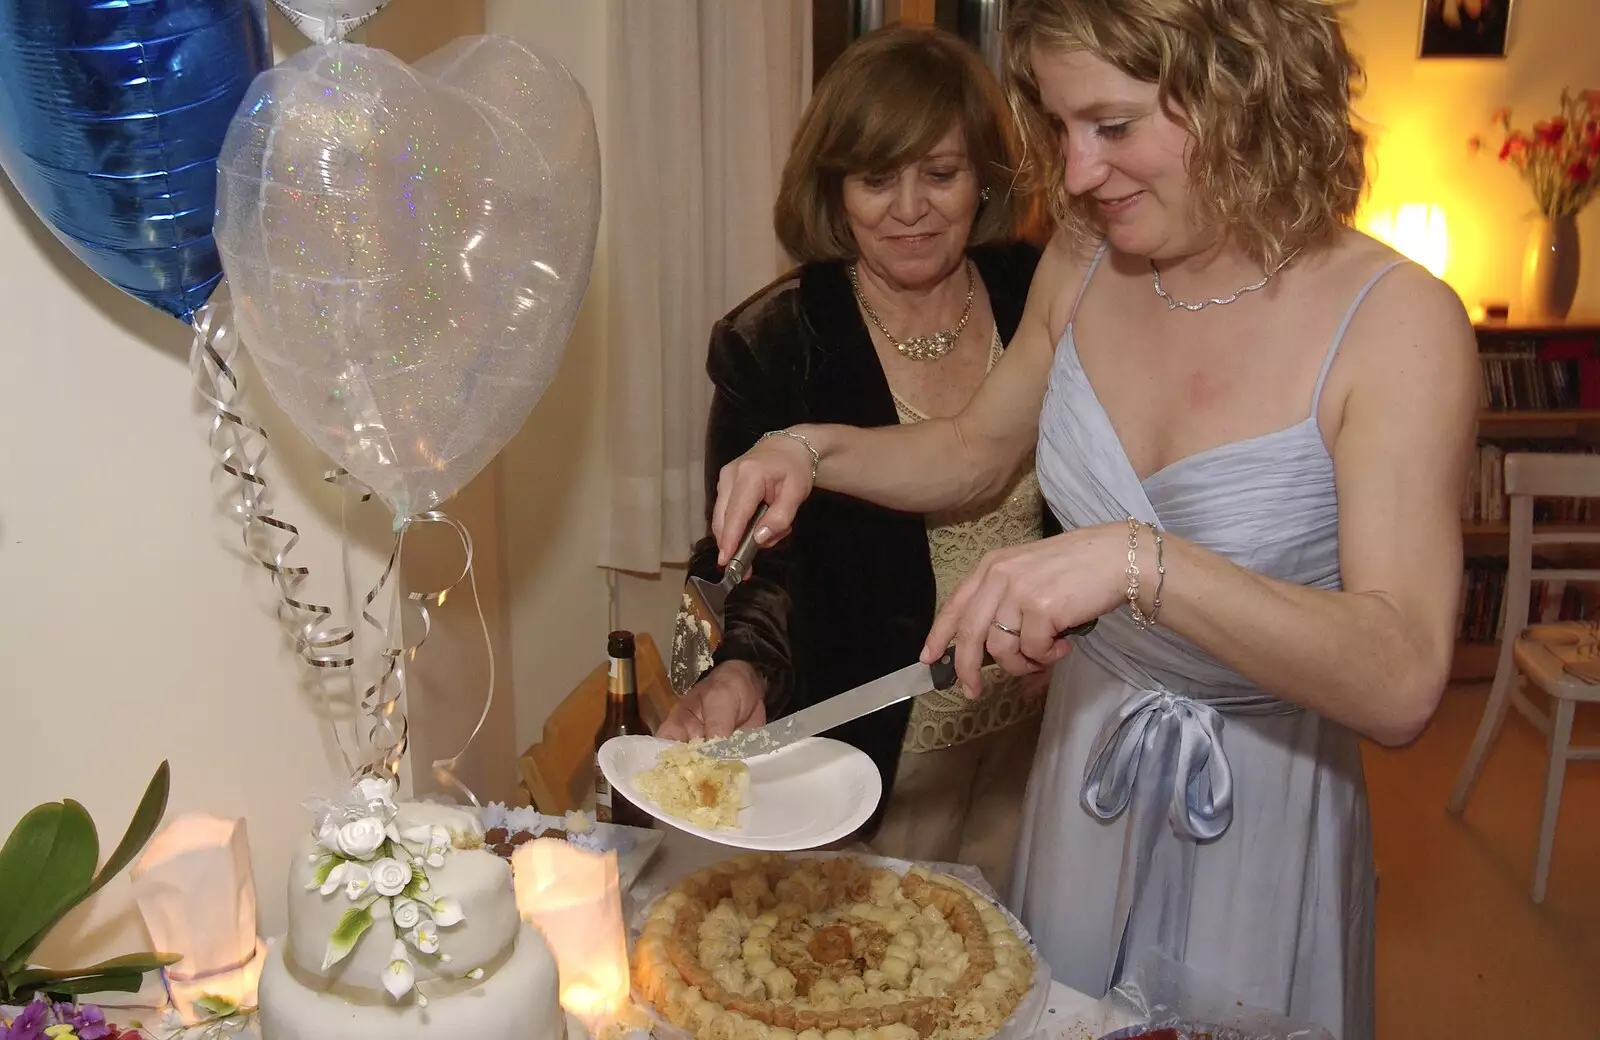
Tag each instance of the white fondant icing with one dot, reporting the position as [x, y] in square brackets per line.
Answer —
[521, 1000]
[478, 879]
[462, 824]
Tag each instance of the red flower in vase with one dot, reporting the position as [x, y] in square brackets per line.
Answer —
[1558, 156]
[1515, 149]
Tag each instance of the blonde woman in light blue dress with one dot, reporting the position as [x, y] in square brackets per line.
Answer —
[1254, 424]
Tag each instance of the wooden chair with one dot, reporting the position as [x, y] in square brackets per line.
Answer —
[558, 771]
[1529, 650]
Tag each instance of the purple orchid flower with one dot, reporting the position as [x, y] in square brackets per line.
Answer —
[87, 1020]
[30, 1024]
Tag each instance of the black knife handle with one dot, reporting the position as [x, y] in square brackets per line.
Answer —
[944, 669]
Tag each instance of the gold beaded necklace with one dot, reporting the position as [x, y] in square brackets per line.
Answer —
[919, 348]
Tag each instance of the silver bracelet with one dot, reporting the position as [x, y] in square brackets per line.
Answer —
[816, 459]
[1144, 622]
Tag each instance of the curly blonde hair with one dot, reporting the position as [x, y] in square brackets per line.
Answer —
[887, 100]
[1265, 87]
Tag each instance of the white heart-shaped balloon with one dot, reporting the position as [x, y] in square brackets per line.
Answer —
[328, 21]
[407, 248]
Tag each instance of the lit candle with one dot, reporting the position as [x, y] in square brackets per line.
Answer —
[197, 895]
[574, 898]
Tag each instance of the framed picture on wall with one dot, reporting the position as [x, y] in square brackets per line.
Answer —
[1465, 28]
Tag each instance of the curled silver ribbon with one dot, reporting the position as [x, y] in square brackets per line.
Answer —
[389, 729]
[240, 446]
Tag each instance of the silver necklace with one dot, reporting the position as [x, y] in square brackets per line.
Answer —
[919, 348]
[1173, 303]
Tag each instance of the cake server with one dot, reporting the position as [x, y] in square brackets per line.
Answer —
[698, 631]
[901, 685]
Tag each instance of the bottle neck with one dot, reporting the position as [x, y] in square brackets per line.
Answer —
[620, 682]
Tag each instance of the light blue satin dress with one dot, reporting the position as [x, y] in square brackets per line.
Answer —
[1173, 804]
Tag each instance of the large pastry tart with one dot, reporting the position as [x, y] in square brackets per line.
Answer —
[766, 947]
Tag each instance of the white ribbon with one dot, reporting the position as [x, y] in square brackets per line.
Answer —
[322, 28]
[381, 701]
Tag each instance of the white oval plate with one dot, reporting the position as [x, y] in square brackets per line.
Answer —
[809, 794]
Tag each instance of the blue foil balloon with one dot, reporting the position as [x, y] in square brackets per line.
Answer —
[112, 113]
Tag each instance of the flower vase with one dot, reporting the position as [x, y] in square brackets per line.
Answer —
[1550, 269]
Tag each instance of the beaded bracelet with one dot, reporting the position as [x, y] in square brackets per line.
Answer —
[816, 459]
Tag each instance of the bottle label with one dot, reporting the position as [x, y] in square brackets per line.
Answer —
[602, 795]
[616, 667]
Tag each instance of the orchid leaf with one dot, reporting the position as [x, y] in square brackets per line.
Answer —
[126, 964]
[46, 866]
[351, 927]
[146, 818]
[114, 982]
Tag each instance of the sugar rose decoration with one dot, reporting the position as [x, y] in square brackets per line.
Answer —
[382, 869]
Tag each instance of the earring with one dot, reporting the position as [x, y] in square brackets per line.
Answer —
[983, 196]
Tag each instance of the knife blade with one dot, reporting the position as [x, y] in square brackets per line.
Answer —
[897, 686]
[901, 685]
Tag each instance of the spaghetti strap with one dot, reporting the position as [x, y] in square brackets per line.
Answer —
[1087, 275]
[1338, 337]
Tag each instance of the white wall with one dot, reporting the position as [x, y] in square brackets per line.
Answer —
[1423, 112]
[552, 474]
[552, 486]
[131, 628]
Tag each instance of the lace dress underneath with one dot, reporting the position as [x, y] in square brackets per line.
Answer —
[956, 542]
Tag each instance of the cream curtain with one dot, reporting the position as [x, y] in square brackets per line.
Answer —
[702, 97]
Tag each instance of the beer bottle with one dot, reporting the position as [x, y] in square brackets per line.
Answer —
[621, 718]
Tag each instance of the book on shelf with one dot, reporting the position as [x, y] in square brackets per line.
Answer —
[1483, 500]
[1548, 601]
[1529, 372]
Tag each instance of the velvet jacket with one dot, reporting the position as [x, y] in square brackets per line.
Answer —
[849, 595]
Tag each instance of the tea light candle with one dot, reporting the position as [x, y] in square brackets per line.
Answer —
[575, 899]
[197, 895]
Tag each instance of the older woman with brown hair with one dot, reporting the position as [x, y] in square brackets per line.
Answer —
[897, 201]
[1254, 422]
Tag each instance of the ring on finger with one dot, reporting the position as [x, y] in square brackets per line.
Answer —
[1007, 629]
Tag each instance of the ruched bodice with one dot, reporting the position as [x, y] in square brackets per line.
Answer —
[1267, 504]
[1173, 804]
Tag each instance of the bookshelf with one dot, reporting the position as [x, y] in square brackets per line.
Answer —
[1541, 392]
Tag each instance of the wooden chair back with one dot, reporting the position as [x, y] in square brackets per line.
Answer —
[558, 771]
[1530, 476]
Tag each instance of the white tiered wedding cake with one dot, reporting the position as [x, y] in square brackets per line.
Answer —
[402, 925]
